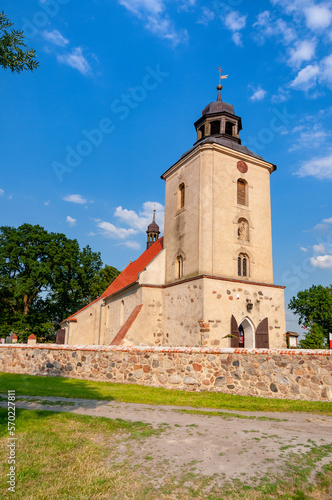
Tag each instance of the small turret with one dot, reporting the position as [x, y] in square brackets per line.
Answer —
[152, 231]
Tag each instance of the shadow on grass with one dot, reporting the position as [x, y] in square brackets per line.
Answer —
[31, 387]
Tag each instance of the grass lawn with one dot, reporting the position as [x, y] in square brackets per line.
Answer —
[72, 457]
[131, 393]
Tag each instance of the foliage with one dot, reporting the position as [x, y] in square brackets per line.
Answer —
[314, 307]
[44, 278]
[14, 54]
[102, 280]
[315, 338]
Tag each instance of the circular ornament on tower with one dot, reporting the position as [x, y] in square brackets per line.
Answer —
[242, 167]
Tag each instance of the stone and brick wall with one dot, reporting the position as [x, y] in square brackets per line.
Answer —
[274, 373]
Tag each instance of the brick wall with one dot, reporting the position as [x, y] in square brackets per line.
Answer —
[272, 373]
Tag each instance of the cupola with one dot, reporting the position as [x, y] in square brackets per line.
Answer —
[152, 231]
[219, 120]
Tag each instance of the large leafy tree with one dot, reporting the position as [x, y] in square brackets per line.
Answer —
[44, 277]
[14, 54]
[314, 307]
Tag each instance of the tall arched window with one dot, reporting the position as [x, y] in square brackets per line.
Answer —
[241, 192]
[243, 265]
[179, 266]
[181, 196]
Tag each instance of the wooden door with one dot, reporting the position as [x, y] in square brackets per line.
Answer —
[262, 335]
[234, 333]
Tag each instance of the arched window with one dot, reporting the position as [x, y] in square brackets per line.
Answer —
[243, 265]
[215, 127]
[179, 266]
[229, 128]
[181, 196]
[243, 229]
[241, 192]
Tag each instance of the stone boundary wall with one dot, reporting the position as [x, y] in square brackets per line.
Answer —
[275, 373]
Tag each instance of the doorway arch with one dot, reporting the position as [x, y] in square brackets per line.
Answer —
[249, 333]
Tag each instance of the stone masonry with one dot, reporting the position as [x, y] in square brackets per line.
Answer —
[274, 373]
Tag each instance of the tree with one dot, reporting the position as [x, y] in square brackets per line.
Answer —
[44, 277]
[314, 338]
[314, 306]
[102, 280]
[14, 54]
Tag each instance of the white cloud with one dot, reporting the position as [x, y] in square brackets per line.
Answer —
[328, 221]
[111, 231]
[234, 21]
[152, 12]
[75, 198]
[304, 51]
[320, 248]
[163, 28]
[269, 27]
[326, 71]
[76, 60]
[71, 221]
[258, 95]
[318, 17]
[320, 167]
[132, 244]
[1, 192]
[55, 37]
[136, 6]
[309, 136]
[303, 249]
[322, 261]
[237, 39]
[143, 218]
[306, 78]
[207, 16]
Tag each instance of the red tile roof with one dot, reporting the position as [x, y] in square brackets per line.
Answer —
[128, 276]
[130, 273]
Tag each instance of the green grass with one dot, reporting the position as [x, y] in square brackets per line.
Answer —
[60, 455]
[131, 393]
[74, 457]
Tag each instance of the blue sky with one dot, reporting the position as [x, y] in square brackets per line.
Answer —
[86, 136]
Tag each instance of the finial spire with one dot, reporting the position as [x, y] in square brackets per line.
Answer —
[154, 215]
[221, 77]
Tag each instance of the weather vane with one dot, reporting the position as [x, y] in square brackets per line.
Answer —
[221, 77]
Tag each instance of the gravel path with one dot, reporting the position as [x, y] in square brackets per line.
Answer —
[228, 446]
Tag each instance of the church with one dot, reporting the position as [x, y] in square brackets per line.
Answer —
[208, 282]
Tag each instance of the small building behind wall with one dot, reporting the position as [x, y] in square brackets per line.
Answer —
[209, 280]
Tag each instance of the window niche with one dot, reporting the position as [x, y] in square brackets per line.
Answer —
[243, 265]
[179, 267]
[243, 229]
[181, 196]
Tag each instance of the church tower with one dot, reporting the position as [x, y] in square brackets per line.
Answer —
[217, 205]
[218, 229]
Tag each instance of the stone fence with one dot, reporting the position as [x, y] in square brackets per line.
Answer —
[274, 373]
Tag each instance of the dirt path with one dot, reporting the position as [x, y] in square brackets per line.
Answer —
[228, 446]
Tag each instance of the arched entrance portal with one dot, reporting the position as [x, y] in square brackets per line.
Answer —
[247, 330]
